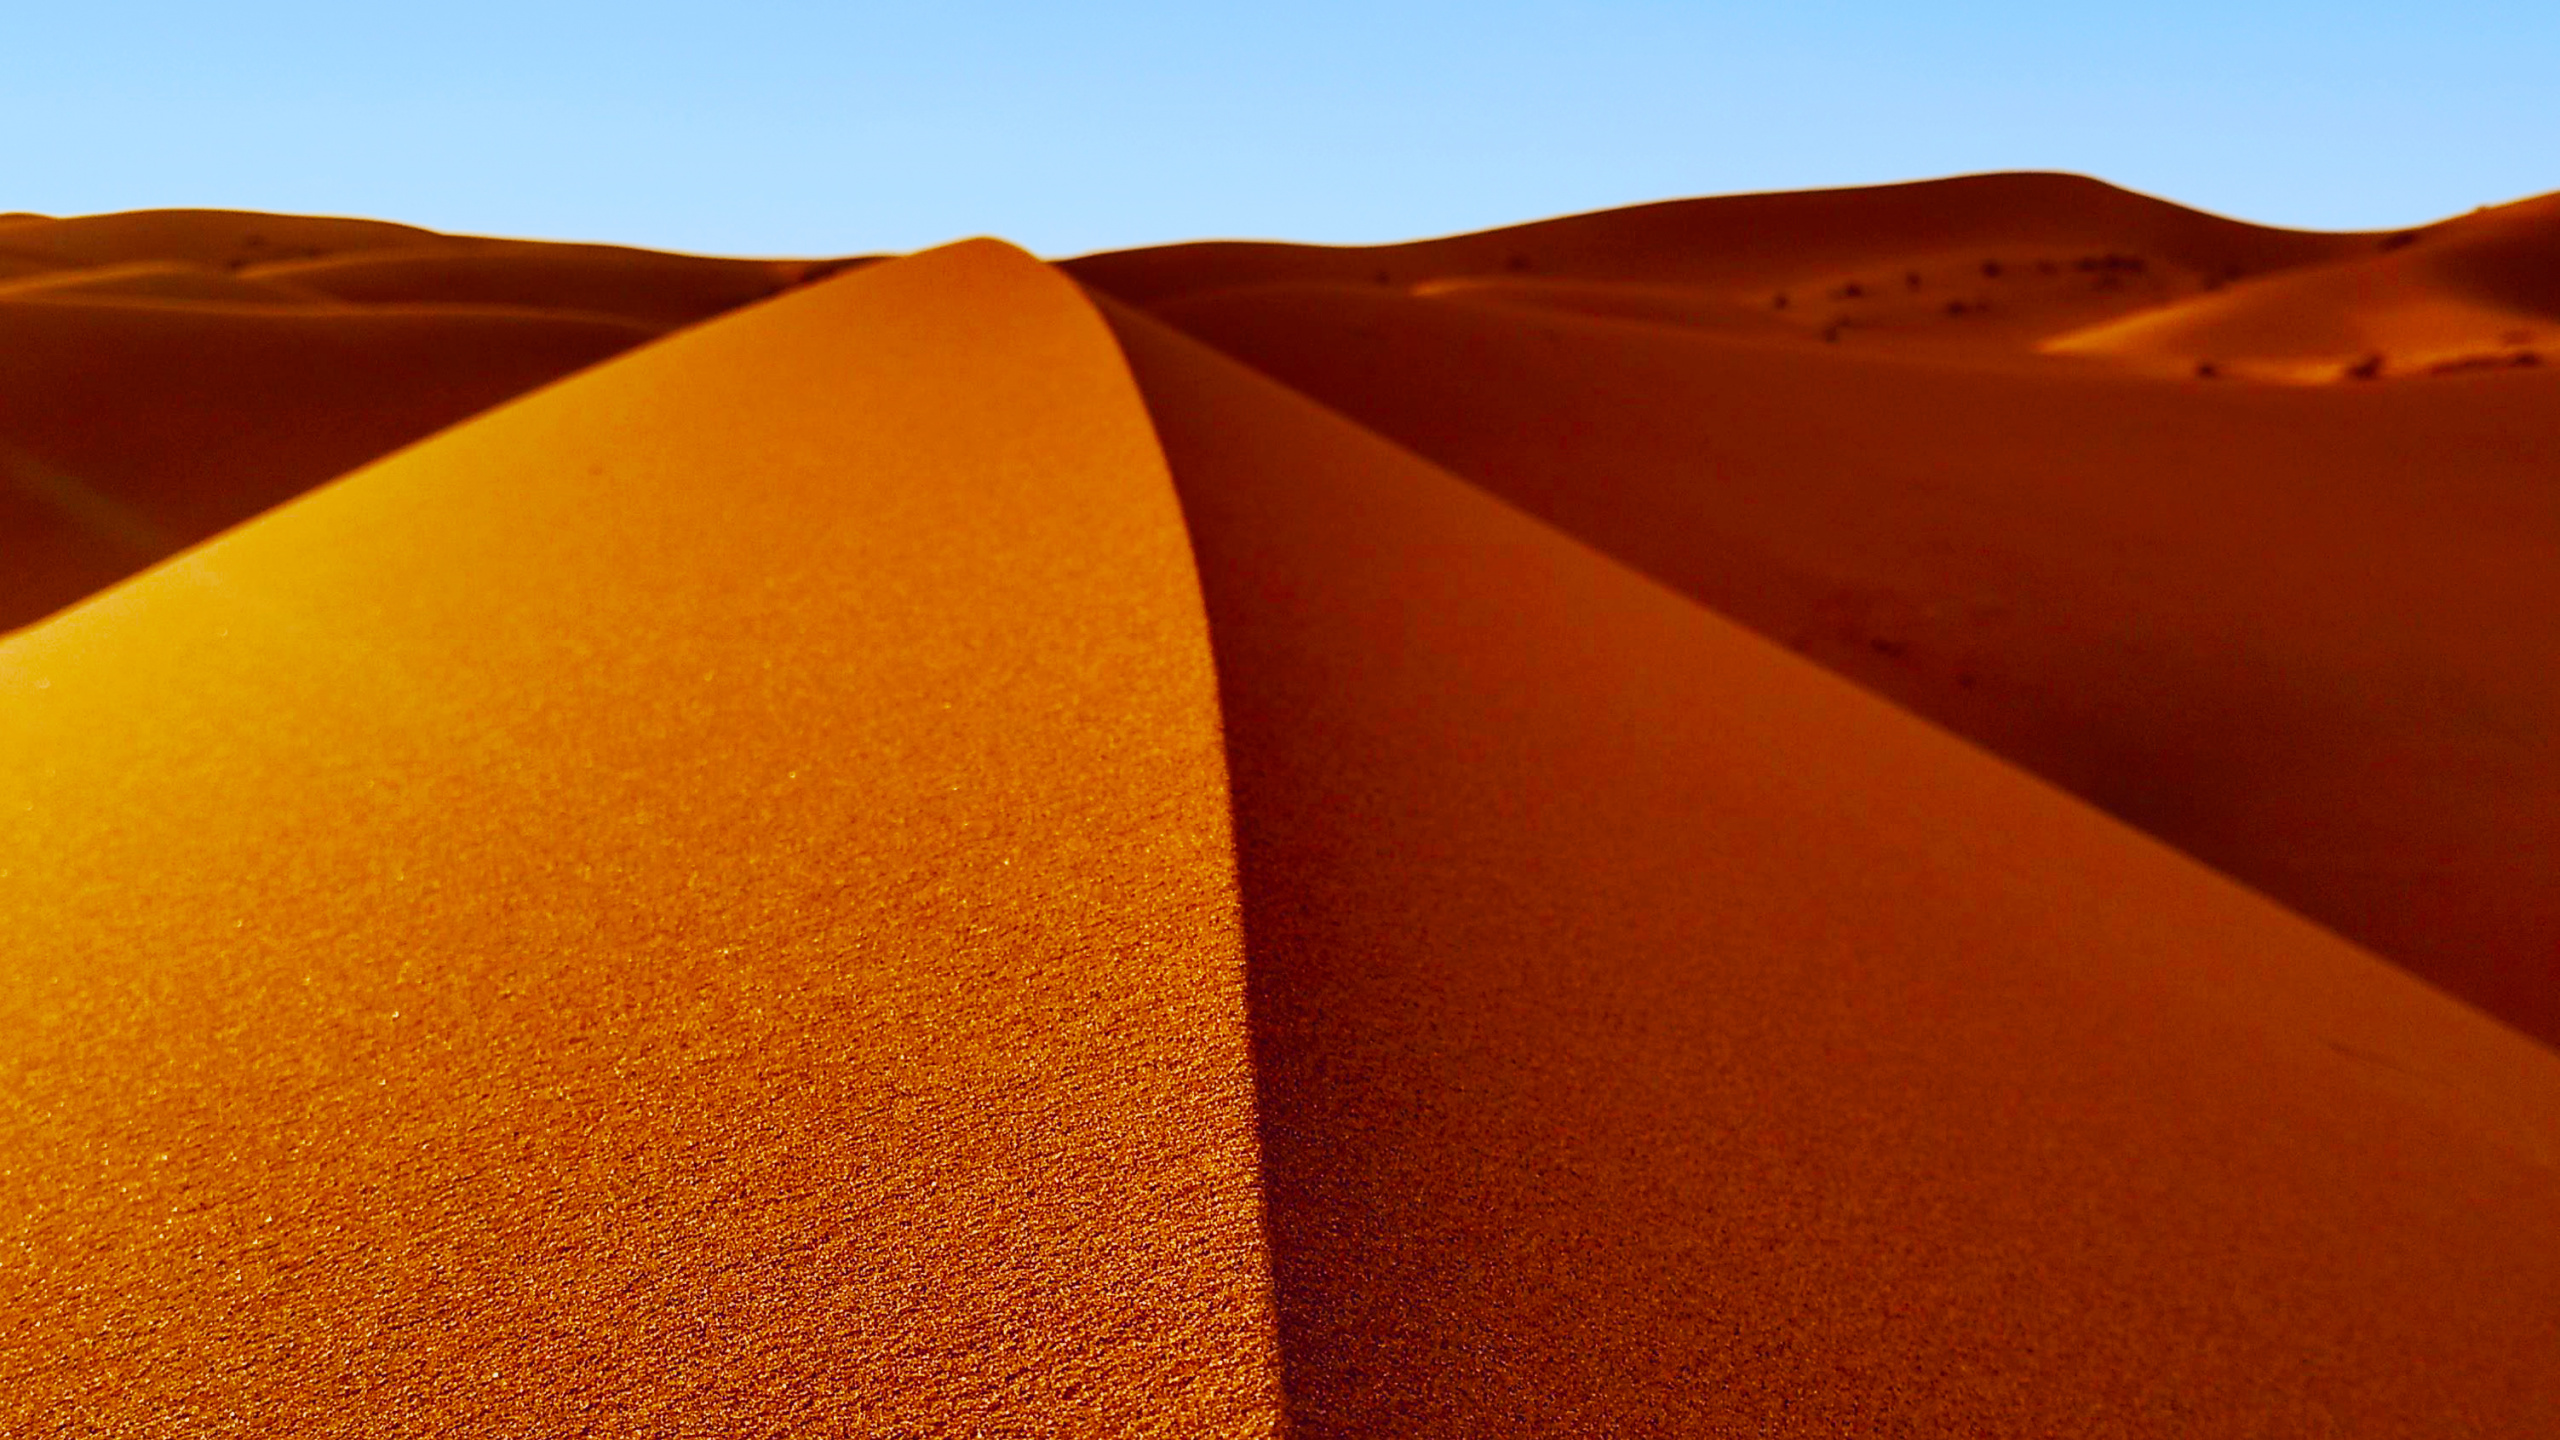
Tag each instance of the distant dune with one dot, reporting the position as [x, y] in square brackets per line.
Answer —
[165, 375]
[2479, 292]
[1918, 811]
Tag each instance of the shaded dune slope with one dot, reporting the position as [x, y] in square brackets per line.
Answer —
[2302, 634]
[697, 903]
[1659, 1036]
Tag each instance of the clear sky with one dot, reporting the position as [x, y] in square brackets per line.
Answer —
[778, 127]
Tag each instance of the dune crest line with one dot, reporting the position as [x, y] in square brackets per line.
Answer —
[1853, 812]
[700, 899]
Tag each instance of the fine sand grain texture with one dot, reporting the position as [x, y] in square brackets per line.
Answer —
[698, 904]
[1657, 1035]
[1926, 811]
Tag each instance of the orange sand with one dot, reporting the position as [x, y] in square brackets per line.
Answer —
[167, 374]
[697, 904]
[2480, 292]
[2303, 634]
[935, 855]
[1657, 1035]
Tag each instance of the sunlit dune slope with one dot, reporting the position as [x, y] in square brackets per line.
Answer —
[1657, 1035]
[699, 903]
[2474, 293]
[2304, 635]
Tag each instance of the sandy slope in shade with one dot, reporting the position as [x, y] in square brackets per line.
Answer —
[2305, 635]
[699, 903]
[1657, 1035]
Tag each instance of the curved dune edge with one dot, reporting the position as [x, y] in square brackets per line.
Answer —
[130, 429]
[165, 375]
[2300, 634]
[698, 902]
[1656, 1034]
[1644, 1031]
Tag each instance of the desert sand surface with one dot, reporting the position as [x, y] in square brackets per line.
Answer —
[511, 1021]
[1658, 1035]
[2302, 632]
[1505, 835]
[2480, 292]
[165, 375]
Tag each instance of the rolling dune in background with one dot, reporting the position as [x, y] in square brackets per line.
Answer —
[166, 375]
[1920, 811]
[2479, 292]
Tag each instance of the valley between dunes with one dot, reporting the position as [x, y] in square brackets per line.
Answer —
[1917, 811]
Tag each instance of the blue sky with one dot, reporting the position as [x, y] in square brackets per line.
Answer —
[769, 127]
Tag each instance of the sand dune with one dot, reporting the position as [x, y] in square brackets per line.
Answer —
[159, 397]
[1984, 268]
[1805, 245]
[512, 1016]
[222, 238]
[1657, 1035]
[155, 280]
[1698, 820]
[130, 430]
[642, 285]
[2482, 292]
[2299, 635]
